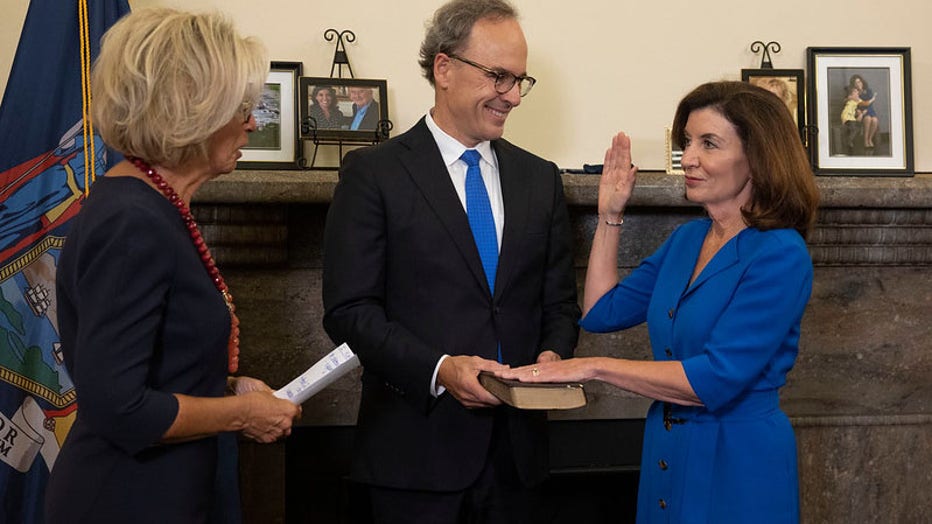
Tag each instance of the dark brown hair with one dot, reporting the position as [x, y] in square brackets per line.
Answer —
[784, 194]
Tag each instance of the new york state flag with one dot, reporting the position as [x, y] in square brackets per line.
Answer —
[48, 155]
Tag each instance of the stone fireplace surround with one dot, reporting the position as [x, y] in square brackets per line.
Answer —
[860, 396]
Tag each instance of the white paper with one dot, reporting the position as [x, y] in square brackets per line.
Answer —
[324, 372]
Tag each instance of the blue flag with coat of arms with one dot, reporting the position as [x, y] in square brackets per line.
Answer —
[47, 160]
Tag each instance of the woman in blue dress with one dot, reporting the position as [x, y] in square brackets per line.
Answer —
[870, 121]
[723, 298]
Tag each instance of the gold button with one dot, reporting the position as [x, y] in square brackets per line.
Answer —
[668, 352]
[670, 313]
[662, 464]
[663, 504]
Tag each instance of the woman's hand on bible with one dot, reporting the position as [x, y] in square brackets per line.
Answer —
[568, 370]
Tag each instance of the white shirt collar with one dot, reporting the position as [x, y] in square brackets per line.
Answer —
[451, 149]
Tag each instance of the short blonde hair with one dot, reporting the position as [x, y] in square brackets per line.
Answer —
[166, 80]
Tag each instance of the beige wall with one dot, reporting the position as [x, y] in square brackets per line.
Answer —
[601, 65]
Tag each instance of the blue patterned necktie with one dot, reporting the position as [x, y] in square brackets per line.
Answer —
[479, 211]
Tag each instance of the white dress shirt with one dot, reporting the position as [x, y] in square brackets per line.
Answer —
[451, 150]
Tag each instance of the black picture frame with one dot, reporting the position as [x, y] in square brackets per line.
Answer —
[788, 84]
[276, 143]
[841, 143]
[372, 127]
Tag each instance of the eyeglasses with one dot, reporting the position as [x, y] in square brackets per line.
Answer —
[245, 111]
[504, 81]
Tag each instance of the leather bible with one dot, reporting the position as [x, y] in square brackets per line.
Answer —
[526, 395]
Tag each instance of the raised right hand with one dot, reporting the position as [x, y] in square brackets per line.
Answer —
[618, 176]
[268, 418]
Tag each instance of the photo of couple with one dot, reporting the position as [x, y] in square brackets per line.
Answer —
[352, 108]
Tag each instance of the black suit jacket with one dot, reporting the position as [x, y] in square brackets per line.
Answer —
[403, 284]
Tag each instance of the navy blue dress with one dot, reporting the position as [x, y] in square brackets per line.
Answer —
[139, 320]
[866, 95]
[736, 331]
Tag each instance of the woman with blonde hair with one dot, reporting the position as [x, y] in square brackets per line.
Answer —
[147, 323]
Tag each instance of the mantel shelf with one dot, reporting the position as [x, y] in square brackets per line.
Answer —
[653, 189]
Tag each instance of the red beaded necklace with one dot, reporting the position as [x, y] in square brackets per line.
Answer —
[206, 258]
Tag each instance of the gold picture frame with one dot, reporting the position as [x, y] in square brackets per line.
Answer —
[674, 156]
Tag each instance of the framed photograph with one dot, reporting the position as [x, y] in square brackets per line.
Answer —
[787, 84]
[348, 109]
[275, 144]
[860, 102]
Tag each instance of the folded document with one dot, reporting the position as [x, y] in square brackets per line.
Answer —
[324, 372]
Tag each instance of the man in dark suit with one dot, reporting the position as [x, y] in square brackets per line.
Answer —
[414, 294]
[365, 109]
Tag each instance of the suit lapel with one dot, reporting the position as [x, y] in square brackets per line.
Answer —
[515, 198]
[425, 166]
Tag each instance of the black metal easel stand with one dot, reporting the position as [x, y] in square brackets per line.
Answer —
[309, 128]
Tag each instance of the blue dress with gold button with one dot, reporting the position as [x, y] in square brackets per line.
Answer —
[736, 331]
